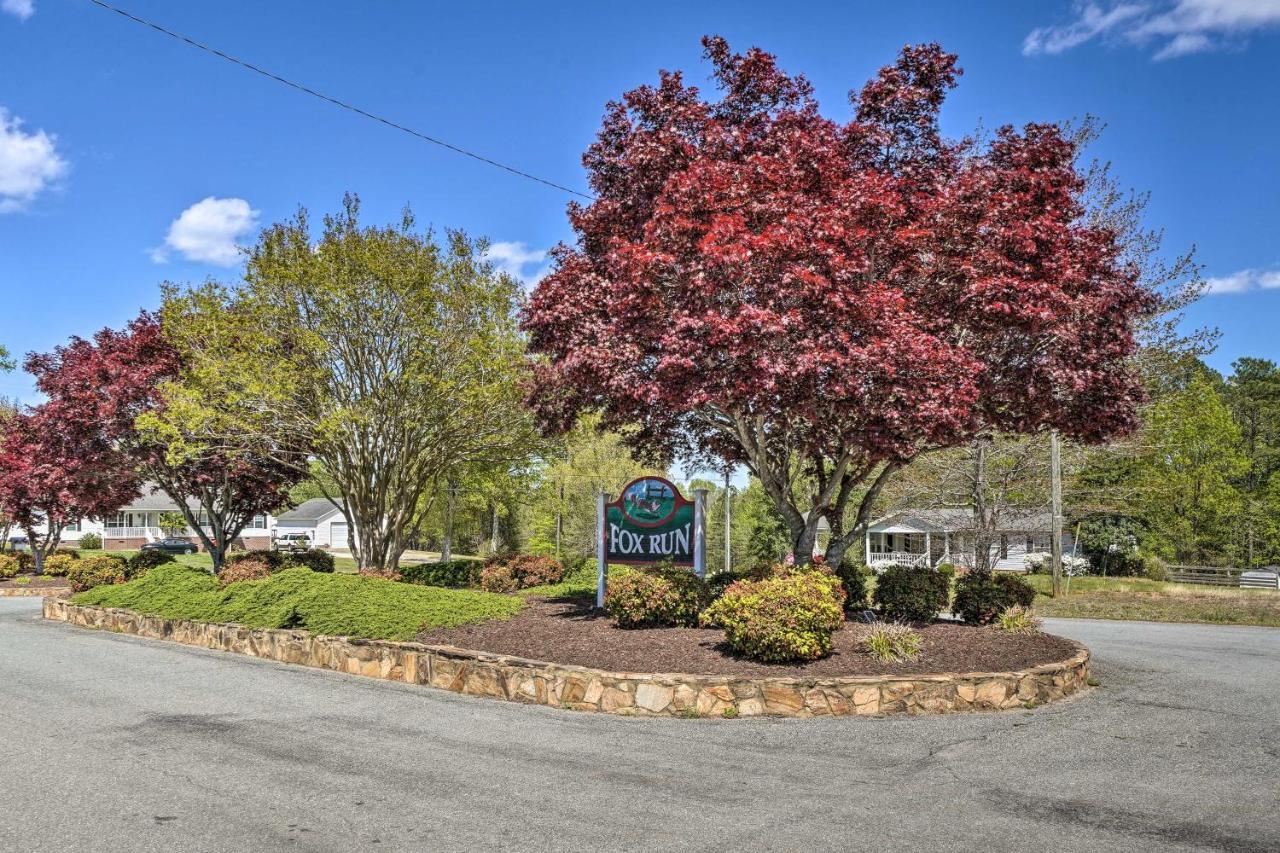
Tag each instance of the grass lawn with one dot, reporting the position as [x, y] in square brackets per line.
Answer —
[334, 604]
[1157, 601]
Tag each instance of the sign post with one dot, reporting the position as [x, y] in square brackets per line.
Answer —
[602, 530]
[700, 532]
[650, 522]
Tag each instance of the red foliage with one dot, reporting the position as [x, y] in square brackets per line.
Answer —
[860, 290]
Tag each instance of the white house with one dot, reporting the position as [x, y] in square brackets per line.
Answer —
[141, 522]
[319, 520]
[928, 537]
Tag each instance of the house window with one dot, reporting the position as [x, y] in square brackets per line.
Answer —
[259, 522]
[72, 527]
[116, 520]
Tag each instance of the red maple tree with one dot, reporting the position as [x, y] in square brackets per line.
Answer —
[52, 474]
[823, 302]
[102, 386]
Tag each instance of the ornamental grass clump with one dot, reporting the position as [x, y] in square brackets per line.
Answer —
[98, 570]
[892, 642]
[981, 597]
[788, 616]
[656, 596]
[911, 594]
[1018, 620]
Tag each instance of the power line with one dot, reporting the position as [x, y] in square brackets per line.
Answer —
[335, 101]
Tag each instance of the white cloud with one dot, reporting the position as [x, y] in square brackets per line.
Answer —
[29, 163]
[1175, 27]
[20, 9]
[1243, 281]
[513, 258]
[208, 231]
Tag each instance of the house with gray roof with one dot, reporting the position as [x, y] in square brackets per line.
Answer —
[929, 537]
[322, 521]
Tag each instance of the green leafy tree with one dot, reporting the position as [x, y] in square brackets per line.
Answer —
[1253, 393]
[390, 356]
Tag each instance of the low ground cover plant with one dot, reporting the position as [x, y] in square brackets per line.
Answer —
[97, 570]
[655, 596]
[1018, 620]
[911, 594]
[981, 597]
[333, 604]
[788, 616]
[892, 642]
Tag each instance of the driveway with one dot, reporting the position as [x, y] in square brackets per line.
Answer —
[116, 743]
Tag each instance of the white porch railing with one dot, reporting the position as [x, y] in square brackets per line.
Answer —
[147, 533]
[898, 558]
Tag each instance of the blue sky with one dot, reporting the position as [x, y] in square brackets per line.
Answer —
[127, 158]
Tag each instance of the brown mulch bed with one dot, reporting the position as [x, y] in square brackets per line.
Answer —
[572, 632]
[36, 582]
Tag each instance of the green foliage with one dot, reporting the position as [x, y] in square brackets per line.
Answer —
[313, 559]
[144, 560]
[331, 604]
[1109, 544]
[67, 551]
[981, 596]
[911, 594]
[456, 574]
[655, 596]
[9, 565]
[97, 570]
[892, 642]
[273, 559]
[768, 537]
[854, 579]
[58, 565]
[1018, 619]
[579, 582]
[498, 577]
[90, 541]
[1154, 568]
[788, 616]
[509, 573]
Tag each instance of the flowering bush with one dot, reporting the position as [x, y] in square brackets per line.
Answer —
[911, 594]
[98, 570]
[498, 578]
[656, 596]
[789, 616]
[244, 570]
[892, 641]
[58, 565]
[982, 597]
[1041, 563]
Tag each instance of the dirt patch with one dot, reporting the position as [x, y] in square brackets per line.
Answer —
[572, 632]
[34, 582]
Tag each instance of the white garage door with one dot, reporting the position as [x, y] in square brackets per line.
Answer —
[338, 534]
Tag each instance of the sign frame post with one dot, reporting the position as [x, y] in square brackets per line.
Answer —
[601, 548]
[700, 532]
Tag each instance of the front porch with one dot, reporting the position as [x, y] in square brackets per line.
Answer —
[904, 548]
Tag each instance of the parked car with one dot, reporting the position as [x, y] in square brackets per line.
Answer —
[292, 542]
[171, 546]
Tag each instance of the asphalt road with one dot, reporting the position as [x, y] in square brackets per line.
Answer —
[121, 744]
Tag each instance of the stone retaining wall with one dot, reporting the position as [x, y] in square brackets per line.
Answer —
[583, 689]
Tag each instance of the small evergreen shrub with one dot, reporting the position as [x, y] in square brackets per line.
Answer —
[855, 584]
[274, 559]
[9, 565]
[97, 570]
[145, 560]
[891, 642]
[498, 578]
[1154, 568]
[313, 559]
[247, 569]
[57, 565]
[656, 596]
[453, 574]
[980, 597]
[90, 541]
[1018, 620]
[789, 616]
[67, 550]
[911, 594]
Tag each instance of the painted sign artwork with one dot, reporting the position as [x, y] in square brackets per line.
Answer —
[648, 523]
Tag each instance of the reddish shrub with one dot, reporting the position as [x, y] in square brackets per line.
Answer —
[656, 596]
[499, 578]
[244, 570]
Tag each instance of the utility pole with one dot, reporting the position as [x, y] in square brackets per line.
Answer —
[1055, 540]
[728, 523]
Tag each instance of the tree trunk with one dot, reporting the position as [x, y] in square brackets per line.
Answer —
[493, 533]
[983, 535]
[446, 547]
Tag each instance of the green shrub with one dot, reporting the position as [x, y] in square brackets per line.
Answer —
[9, 565]
[892, 641]
[333, 604]
[854, 580]
[498, 578]
[244, 570]
[97, 570]
[1154, 568]
[313, 559]
[980, 597]
[655, 596]
[57, 565]
[789, 616]
[67, 550]
[1018, 620]
[947, 570]
[90, 541]
[911, 594]
[274, 559]
[142, 561]
[455, 574]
